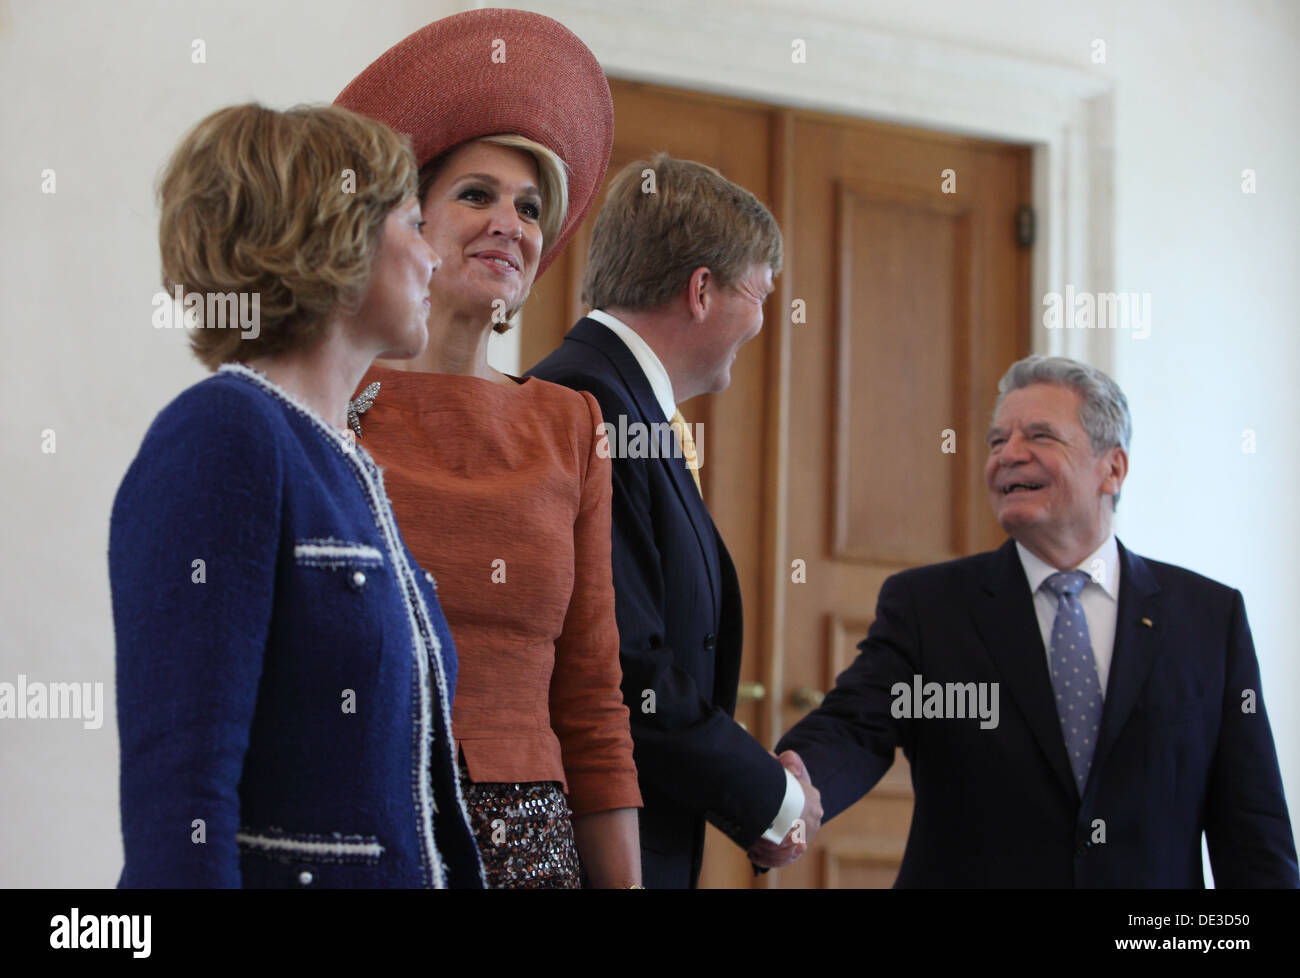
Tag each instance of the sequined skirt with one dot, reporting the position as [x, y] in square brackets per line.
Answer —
[524, 834]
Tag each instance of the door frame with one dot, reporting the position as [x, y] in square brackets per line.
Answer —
[1065, 114]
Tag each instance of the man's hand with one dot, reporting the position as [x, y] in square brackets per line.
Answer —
[773, 856]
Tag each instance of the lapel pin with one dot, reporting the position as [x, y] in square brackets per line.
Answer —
[1147, 622]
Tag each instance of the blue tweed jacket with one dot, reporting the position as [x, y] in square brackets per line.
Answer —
[284, 671]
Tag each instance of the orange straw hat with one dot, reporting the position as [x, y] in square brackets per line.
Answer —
[489, 72]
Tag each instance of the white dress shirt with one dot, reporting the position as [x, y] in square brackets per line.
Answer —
[1099, 598]
[662, 387]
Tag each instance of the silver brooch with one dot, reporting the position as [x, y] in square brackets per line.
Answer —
[360, 405]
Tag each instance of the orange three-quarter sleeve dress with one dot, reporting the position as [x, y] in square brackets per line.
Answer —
[501, 492]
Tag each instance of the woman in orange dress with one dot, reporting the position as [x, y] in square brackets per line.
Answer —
[497, 481]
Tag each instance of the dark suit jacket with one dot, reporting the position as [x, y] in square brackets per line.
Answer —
[677, 601]
[1176, 754]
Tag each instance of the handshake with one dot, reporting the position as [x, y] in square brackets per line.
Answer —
[771, 855]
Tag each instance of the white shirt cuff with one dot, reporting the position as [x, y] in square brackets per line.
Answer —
[791, 809]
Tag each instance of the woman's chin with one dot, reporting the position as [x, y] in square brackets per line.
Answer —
[479, 306]
[412, 347]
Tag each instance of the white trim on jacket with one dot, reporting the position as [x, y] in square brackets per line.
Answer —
[424, 638]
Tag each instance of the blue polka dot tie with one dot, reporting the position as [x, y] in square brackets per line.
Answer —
[1074, 673]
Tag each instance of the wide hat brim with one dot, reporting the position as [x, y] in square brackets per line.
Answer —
[487, 72]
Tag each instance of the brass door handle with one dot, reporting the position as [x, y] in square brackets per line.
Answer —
[806, 698]
[751, 692]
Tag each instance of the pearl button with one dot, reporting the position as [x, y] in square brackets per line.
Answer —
[359, 579]
[305, 878]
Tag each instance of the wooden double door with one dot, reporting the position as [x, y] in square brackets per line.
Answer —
[850, 443]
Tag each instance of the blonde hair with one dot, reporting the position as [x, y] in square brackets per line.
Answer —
[552, 184]
[649, 238]
[288, 206]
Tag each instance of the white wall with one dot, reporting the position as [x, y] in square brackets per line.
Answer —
[102, 93]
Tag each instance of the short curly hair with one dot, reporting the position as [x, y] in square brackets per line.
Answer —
[285, 206]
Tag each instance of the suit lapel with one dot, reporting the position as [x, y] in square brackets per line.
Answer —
[1136, 645]
[589, 333]
[1005, 618]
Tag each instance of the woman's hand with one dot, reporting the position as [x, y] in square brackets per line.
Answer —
[610, 848]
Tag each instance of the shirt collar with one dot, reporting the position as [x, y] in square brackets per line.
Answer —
[1101, 566]
[655, 372]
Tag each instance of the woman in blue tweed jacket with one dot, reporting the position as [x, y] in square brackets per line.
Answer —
[284, 672]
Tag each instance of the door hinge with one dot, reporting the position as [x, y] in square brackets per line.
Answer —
[1025, 226]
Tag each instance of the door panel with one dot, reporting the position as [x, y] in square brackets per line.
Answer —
[917, 301]
[903, 277]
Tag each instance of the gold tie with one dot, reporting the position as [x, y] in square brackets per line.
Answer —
[683, 430]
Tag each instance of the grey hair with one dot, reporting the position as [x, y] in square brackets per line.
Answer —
[1103, 408]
